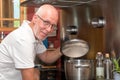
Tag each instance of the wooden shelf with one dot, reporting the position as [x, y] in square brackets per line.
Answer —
[5, 29]
[51, 49]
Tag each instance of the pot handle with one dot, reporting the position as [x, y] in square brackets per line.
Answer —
[82, 66]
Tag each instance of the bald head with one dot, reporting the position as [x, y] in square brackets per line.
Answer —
[45, 8]
[48, 11]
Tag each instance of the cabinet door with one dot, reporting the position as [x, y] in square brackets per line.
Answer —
[11, 14]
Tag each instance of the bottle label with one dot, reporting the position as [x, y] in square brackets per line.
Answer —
[99, 71]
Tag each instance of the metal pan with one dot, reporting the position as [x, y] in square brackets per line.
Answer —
[75, 48]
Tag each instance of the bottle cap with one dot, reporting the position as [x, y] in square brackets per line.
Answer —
[107, 55]
[99, 55]
[99, 52]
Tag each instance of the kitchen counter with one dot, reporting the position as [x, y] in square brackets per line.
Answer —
[48, 72]
[52, 73]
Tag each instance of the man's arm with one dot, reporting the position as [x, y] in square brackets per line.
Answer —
[50, 56]
[29, 74]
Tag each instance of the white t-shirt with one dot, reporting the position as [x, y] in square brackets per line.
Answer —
[17, 51]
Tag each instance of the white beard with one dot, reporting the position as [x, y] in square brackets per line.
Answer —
[36, 31]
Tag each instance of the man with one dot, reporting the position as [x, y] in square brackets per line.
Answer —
[19, 48]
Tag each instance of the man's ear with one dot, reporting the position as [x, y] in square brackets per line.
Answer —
[35, 18]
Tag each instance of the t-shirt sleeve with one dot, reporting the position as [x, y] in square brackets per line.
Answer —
[40, 48]
[23, 54]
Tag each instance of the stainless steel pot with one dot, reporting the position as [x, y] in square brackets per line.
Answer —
[79, 69]
[75, 48]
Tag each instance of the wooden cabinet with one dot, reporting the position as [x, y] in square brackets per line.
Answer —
[11, 14]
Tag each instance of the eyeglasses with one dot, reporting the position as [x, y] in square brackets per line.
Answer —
[48, 24]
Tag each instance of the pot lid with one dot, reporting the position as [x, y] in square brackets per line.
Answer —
[75, 48]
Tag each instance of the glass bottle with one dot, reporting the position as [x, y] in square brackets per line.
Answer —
[2, 35]
[99, 66]
[107, 67]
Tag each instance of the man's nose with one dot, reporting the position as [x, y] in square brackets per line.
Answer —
[49, 29]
